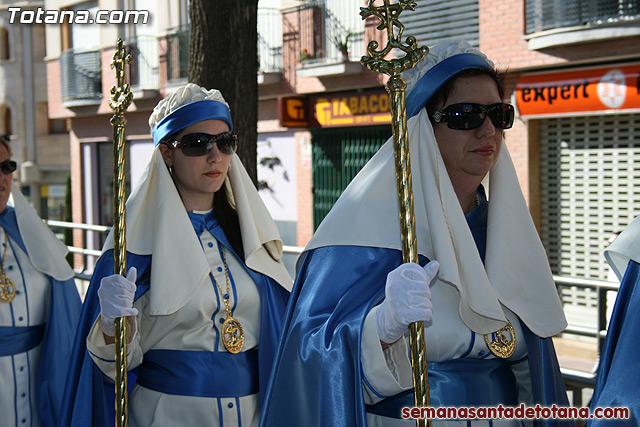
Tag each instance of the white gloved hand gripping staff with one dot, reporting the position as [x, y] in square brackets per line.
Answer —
[407, 300]
[116, 299]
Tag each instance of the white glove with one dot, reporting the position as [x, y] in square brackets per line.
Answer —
[116, 299]
[407, 300]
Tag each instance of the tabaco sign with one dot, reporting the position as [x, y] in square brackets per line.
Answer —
[598, 89]
[358, 108]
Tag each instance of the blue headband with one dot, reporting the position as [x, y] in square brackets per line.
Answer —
[189, 114]
[437, 76]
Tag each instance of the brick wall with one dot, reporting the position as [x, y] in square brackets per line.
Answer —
[305, 193]
[502, 38]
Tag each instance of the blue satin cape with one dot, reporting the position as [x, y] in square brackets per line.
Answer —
[317, 378]
[90, 401]
[57, 339]
[618, 380]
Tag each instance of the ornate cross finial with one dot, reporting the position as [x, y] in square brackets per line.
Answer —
[121, 95]
[389, 20]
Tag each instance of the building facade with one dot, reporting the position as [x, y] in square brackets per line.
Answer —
[572, 72]
[78, 58]
[39, 144]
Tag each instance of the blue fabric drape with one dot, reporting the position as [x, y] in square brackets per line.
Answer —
[200, 373]
[10, 224]
[618, 380]
[459, 382]
[15, 340]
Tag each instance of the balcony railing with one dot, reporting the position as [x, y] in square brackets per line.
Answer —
[143, 70]
[177, 45]
[81, 75]
[330, 31]
[542, 15]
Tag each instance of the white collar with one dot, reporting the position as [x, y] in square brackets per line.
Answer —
[624, 248]
[46, 252]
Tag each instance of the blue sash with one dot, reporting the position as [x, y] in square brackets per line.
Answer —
[200, 373]
[16, 340]
[459, 382]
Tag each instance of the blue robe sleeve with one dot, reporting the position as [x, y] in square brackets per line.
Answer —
[317, 378]
[88, 399]
[618, 380]
[55, 352]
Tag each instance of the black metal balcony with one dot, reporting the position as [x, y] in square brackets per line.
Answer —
[143, 70]
[177, 54]
[542, 15]
[81, 75]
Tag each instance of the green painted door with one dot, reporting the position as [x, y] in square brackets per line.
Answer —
[338, 155]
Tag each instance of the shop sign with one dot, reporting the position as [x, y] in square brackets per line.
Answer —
[590, 90]
[351, 109]
[293, 112]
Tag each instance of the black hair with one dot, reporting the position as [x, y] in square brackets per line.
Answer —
[228, 218]
[440, 97]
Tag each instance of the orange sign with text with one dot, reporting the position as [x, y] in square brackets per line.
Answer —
[598, 89]
[351, 109]
[293, 112]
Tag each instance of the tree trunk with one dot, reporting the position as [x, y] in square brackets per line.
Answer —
[223, 55]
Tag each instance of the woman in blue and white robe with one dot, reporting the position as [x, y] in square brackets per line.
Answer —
[333, 367]
[183, 247]
[38, 322]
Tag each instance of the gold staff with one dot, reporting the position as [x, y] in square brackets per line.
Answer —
[388, 15]
[120, 100]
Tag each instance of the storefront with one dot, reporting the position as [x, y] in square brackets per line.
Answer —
[588, 127]
[345, 130]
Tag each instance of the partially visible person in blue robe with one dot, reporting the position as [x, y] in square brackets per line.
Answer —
[483, 289]
[618, 380]
[205, 292]
[39, 309]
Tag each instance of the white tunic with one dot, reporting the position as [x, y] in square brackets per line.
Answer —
[388, 371]
[28, 308]
[191, 329]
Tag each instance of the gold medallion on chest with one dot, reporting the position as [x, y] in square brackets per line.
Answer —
[501, 346]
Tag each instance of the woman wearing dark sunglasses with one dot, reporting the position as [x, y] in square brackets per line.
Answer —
[483, 289]
[206, 289]
[39, 309]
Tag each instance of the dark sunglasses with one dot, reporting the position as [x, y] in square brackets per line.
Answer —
[8, 166]
[471, 116]
[199, 144]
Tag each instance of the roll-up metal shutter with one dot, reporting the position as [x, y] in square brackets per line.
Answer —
[590, 175]
[434, 22]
